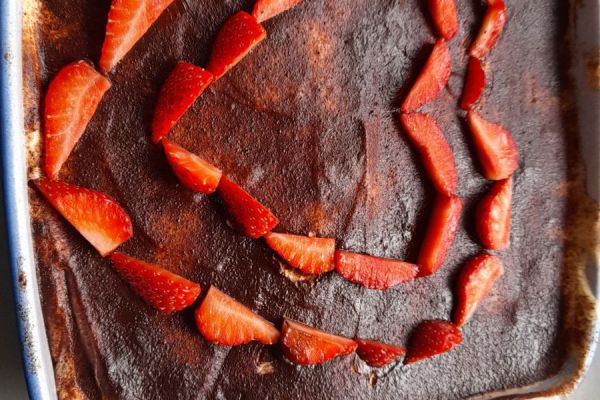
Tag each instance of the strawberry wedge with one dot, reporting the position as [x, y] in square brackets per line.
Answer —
[493, 216]
[425, 134]
[128, 21]
[304, 345]
[237, 37]
[183, 86]
[491, 28]
[163, 290]
[377, 354]
[373, 272]
[222, 320]
[431, 338]
[71, 100]
[97, 217]
[311, 255]
[440, 233]
[495, 147]
[433, 78]
[267, 9]
[254, 219]
[443, 13]
[192, 171]
[474, 283]
[474, 84]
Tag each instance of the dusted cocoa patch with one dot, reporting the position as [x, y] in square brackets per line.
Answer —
[22, 280]
[307, 123]
[592, 69]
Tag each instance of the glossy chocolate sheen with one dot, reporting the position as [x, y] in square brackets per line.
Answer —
[308, 123]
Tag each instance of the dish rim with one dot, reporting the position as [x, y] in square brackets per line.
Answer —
[37, 364]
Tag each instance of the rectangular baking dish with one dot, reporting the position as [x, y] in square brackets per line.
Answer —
[585, 35]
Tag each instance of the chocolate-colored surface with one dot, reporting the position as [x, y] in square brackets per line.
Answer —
[308, 124]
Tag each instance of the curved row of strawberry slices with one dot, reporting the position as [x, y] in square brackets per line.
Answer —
[495, 149]
[77, 89]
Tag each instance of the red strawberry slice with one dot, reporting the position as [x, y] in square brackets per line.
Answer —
[311, 255]
[495, 146]
[180, 90]
[474, 84]
[373, 272]
[96, 216]
[440, 233]
[71, 100]
[474, 283]
[304, 345]
[254, 219]
[377, 354]
[444, 17]
[192, 171]
[493, 24]
[431, 338]
[433, 78]
[163, 290]
[237, 37]
[425, 134]
[267, 9]
[493, 216]
[222, 320]
[128, 21]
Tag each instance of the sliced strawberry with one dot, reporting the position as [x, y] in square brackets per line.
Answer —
[378, 354]
[254, 219]
[128, 21]
[237, 37]
[222, 320]
[495, 146]
[304, 345]
[435, 151]
[267, 9]
[373, 272]
[444, 17]
[474, 283]
[180, 90]
[491, 28]
[474, 84]
[71, 100]
[440, 233]
[163, 290]
[493, 216]
[97, 217]
[431, 338]
[311, 255]
[433, 78]
[192, 171]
